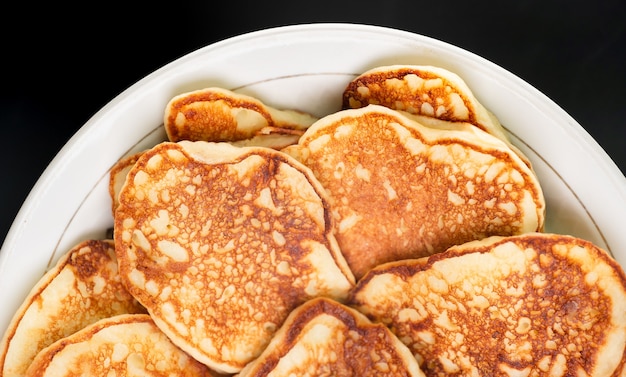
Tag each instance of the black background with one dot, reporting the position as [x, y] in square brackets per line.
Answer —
[61, 64]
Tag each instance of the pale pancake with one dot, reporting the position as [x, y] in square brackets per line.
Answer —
[83, 287]
[325, 338]
[528, 305]
[401, 190]
[427, 91]
[123, 345]
[117, 176]
[220, 243]
[271, 137]
[218, 114]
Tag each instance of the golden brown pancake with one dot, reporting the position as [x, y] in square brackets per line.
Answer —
[401, 190]
[217, 114]
[530, 305]
[424, 90]
[220, 243]
[325, 338]
[430, 93]
[122, 345]
[117, 176]
[83, 287]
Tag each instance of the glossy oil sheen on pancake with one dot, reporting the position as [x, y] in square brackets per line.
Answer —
[83, 287]
[531, 305]
[323, 337]
[220, 243]
[120, 346]
[400, 190]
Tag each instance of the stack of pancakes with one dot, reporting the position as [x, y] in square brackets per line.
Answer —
[401, 235]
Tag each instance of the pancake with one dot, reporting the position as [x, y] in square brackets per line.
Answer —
[217, 114]
[83, 287]
[271, 137]
[424, 90]
[117, 176]
[123, 345]
[401, 190]
[429, 92]
[325, 338]
[529, 305]
[220, 243]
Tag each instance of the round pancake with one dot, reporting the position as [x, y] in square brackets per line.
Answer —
[401, 190]
[123, 345]
[527, 305]
[218, 114]
[220, 243]
[83, 287]
[323, 337]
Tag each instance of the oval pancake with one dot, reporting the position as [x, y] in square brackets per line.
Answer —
[322, 337]
[122, 345]
[423, 90]
[530, 305]
[220, 243]
[401, 190]
[217, 114]
[83, 287]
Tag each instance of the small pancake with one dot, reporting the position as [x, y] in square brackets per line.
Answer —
[220, 243]
[217, 114]
[271, 137]
[401, 190]
[122, 345]
[83, 287]
[527, 305]
[325, 338]
[424, 90]
[117, 176]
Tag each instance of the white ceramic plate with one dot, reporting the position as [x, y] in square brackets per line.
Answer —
[303, 67]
